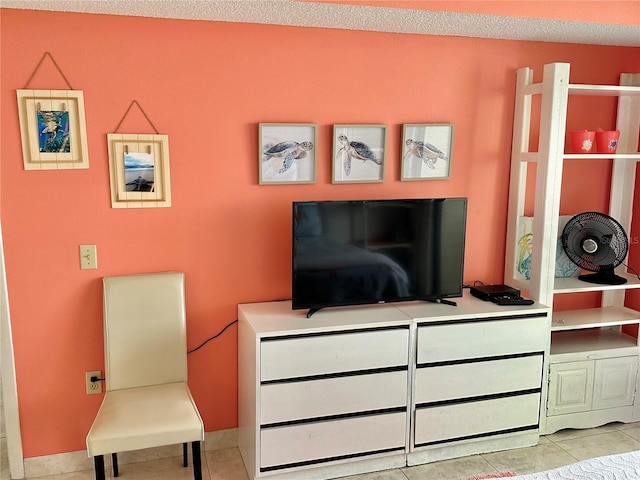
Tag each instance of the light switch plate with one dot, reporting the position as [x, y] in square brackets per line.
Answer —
[88, 257]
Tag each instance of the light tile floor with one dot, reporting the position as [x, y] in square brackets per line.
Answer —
[562, 448]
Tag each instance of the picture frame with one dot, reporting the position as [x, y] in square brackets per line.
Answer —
[359, 153]
[287, 153]
[53, 129]
[426, 151]
[139, 170]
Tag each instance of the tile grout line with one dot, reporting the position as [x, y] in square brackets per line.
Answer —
[556, 443]
[553, 442]
[618, 430]
[489, 463]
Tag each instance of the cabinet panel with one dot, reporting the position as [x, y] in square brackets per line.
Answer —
[322, 441]
[615, 382]
[437, 343]
[332, 396]
[592, 385]
[326, 354]
[449, 382]
[570, 387]
[468, 419]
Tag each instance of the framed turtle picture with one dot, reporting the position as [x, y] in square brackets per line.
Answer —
[287, 153]
[359, 153]
[426, 151]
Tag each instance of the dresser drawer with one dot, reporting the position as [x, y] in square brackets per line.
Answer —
[324, 441]
[456, 341]
[282, 402]
[448, 382]
[303, 356]
[471, 419]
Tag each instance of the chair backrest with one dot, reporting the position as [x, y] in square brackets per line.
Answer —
[144, 330]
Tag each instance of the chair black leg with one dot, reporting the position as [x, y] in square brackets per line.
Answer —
[114, 463]
[197, 462]
[98, 462]
[185, 458]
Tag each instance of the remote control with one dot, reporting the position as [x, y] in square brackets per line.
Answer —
[512, 300]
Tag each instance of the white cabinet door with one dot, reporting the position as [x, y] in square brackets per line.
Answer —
[615, 382]
[592, 385]
[570, 387]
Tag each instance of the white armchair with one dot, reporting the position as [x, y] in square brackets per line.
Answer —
[147, 401]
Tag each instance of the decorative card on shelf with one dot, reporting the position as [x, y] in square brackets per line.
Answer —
[564, 266]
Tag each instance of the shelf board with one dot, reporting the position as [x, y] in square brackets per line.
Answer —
[574, 285]
[579, 341]
[534, 157]
[593, 90]
[593, 317]
[601, 156]
[603, 90]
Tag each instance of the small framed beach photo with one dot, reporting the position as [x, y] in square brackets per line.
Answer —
[287, 153]
[139, 170]
[359, 153]
[426, 151]
[53, 129]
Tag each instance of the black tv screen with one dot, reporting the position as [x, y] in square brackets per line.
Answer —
[377, 251]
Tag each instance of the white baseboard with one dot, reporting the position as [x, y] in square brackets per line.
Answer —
[69, 462]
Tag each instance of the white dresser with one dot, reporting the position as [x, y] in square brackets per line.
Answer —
[478, 382]
[367, 388]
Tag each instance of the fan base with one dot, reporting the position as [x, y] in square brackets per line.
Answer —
[603, 278]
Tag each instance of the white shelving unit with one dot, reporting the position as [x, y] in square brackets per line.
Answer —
[592, 364]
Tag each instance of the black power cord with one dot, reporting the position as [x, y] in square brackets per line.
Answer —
[95, 378]
[212, 338]
[633, 270]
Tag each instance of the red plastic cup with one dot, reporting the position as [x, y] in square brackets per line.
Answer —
[607, 141]
[582, 141]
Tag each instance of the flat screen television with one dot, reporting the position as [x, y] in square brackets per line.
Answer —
[377, 251]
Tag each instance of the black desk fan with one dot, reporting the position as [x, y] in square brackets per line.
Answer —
[598, 243]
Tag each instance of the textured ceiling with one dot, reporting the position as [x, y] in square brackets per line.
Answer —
[353, 17]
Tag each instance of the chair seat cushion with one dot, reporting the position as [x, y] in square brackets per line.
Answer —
[144, 417]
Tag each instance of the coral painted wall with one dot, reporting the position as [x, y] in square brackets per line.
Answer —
[207, 85]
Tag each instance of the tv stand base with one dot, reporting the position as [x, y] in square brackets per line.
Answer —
[445, 301]
[432, 300]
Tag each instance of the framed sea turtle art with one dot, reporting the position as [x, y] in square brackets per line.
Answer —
[359, 153]
[139, 170]
[53, 129]
[287, 153]
[426, 151]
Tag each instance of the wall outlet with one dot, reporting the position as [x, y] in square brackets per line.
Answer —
[93, 387]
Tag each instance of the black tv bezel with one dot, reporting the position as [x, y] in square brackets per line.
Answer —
[440, 298]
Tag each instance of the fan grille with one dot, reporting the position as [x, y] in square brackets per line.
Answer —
[595, 241]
